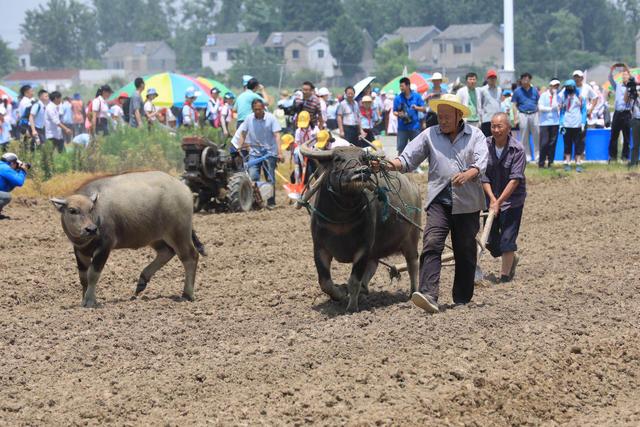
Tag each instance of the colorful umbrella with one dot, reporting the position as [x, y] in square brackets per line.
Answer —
[421, 80]
[13, 96]
[210, 84]
[171, 88]
[635, 72]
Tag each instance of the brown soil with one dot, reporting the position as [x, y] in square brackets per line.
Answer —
[263, 345]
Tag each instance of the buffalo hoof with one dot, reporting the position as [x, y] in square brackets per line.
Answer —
[142, 285]
[88, 303]
[187, 297]
[364, 289]
[352, 307]
[338, 293]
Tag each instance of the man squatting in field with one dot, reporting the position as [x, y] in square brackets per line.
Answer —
[457, 154]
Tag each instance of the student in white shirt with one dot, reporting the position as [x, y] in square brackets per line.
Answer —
[100, 111]
[150, 110]
[52, 123]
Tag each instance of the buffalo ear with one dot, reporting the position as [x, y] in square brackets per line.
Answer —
[60, 204]
[94, 197]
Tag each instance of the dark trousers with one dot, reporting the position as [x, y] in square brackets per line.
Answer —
[404, 137]
[548, 138]
[464, 228]
[504, 232]
[351, 134]
[621, 122]
[635, 129]
[58, 144]
[573, 138]
[486, 128]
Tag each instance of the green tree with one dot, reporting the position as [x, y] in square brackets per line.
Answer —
[196, 22]
[263, 16]
[346, 42]
[8, 60]
[115, 24]
[256, 61]
[228, 17]
[63, 33]
[310, 15]
[391, 58]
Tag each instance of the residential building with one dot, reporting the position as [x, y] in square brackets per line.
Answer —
[419, 42]
[303, 50]
[221, 49]
[23, 53]
[140, 58]
[47, 79]
[468, 45]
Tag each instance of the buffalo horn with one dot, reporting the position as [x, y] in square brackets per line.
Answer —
[311, 153]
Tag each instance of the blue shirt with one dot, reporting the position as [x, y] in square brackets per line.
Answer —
[9, 178]
[243, 104]
[66, 112]
[620, 91]
[37, 111]
[260, 134]
[573, 113]
[402, 103]
[526, 100]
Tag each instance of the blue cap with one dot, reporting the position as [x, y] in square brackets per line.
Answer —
[152, 91]
[506, 92]
[376, 89]
[76, 96]
[191, 93]
[245, 79]
[570, 82]
[229, 95]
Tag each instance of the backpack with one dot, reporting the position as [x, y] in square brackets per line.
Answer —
[23, 123]
[125, 108]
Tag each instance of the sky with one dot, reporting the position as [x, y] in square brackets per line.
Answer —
[13, 11]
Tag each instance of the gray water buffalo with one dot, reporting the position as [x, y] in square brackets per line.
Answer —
[130, 210]
[354, 221]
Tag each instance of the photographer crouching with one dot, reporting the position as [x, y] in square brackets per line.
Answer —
[13, 172]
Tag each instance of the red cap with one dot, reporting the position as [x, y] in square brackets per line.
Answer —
[123, 95]
[492, 73]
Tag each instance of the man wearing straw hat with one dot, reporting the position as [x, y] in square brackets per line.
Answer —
[457, 154]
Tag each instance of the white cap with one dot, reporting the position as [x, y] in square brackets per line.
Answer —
[9, 157]
[578, 73]
[367, 98]
[297, 94]
[554, 82]
[323, 91]
[437, 76]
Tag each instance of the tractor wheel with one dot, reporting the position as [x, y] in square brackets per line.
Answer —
[240, 192]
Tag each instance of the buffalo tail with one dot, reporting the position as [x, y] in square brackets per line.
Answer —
[198, 244]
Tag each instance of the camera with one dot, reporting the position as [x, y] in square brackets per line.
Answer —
[406, 119]
[632, 89]
[24, 165]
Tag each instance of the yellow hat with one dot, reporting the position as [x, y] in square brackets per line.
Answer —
[377, 144]
[303, 119]
[450, 100]
[286, 141]
[322, 139]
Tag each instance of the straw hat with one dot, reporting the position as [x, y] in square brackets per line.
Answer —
[450, 100]
[438, 76]
[367, 98]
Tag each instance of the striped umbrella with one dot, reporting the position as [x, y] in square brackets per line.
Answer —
[211, 83]
[171, 88]
[416, 78]
[13, 96]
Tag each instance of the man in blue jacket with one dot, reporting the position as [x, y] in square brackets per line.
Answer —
[12, 174]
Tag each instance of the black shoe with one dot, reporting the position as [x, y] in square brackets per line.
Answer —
[4, 216]
[504, 279]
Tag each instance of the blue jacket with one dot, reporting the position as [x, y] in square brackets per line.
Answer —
[9, 178]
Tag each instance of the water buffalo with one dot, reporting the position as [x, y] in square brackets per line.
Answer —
[130, 210]
[355, 224]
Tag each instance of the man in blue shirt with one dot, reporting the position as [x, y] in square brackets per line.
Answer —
[245, 99]
[622, 115]
[525, 113]
[12, 174]
[261, 132]
[406, 106]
